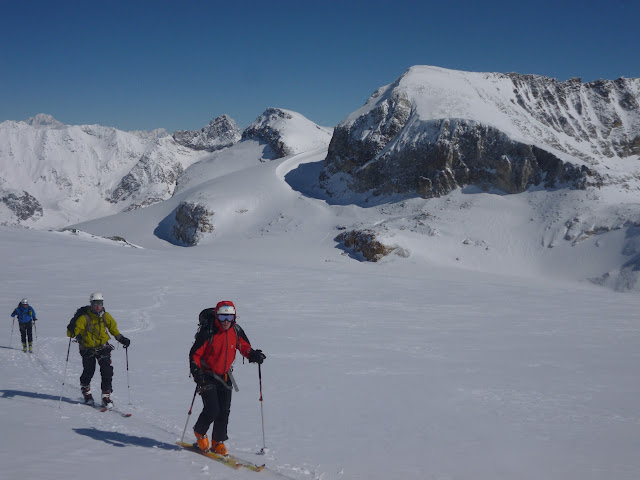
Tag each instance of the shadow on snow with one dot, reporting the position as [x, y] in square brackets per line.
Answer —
[39, 396]
[122, 439]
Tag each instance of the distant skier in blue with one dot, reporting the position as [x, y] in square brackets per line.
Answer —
[26, 316]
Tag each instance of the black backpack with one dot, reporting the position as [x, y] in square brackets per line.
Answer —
[79, 312]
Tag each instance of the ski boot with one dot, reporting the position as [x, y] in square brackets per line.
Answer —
[220, 449]
[106, 401]
[86, 393]
[30, 347]
[24, 347]
[203, 441]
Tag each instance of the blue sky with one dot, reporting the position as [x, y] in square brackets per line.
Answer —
[177, 64]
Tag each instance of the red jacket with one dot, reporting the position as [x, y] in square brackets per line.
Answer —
[218, 352]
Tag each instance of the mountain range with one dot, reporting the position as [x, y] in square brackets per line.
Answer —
[437, 161]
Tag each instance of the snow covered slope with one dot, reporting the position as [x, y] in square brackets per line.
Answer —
[401, 369]
[77, 172]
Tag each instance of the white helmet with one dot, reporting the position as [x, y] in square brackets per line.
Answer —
[226, 310]
[24, 301]
[95, 296]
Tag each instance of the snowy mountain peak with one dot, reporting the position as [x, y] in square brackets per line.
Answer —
[287, 132]
[53, 174]
[44, 120]
[434, 129]
[221, 132]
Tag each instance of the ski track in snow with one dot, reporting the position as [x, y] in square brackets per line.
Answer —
[142, 315]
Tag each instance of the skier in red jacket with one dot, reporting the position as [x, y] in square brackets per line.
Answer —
[211, 357]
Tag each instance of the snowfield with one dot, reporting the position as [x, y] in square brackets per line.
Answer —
[432, 366]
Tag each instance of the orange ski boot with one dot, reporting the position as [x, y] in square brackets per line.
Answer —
[203, 441]
[220, 449]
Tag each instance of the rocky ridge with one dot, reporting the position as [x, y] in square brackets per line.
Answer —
[221, 132]
[504, 131]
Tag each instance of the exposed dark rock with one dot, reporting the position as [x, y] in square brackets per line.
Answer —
[221, 132]
[451, 153]
[263, 130]
[390, 149]
[145, 203]
[151, 170]
[365, 243]
[191, 223]
[24, 206]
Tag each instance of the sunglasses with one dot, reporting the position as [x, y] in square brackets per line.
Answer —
[226, 317]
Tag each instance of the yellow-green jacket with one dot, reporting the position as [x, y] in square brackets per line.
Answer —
[91, 330]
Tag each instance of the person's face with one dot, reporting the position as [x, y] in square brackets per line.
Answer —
[226, 321]
[97, 306]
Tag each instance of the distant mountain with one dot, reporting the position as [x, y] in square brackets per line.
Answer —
[287, 133]
[434, 130]
[52, 174]
[275, 134]
[44, 120]
[220, 133]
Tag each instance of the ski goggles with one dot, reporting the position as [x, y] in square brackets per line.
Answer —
[226, 317]
[98, 302]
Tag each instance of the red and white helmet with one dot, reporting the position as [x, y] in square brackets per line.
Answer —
[225, 307]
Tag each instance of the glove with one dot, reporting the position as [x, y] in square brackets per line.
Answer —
[198, 377]
[124, 341]
[256, 356]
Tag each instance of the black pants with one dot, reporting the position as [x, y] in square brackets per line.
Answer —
[26, 331]
[103, 358]
[217, 406]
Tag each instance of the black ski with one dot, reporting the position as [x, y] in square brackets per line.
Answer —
[102, 408]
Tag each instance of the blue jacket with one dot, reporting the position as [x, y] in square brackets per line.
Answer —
[24, 314]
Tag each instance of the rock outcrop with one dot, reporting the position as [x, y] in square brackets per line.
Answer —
[264, 129]
[23, 205]
[151, 180]
[286, 133]
[221, 132]
[365, 243]
[434, 130]
[192, 221]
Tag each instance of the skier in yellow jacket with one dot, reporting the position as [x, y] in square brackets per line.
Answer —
[90, 325]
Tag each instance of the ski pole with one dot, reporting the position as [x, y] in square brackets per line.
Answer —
[189, 414]
[12, 325]
[264, 446]
[64, 379]
[126, 352]
[35, 329]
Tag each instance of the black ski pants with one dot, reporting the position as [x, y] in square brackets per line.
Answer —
[26, 331]
[103, 358]
[216, 399]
